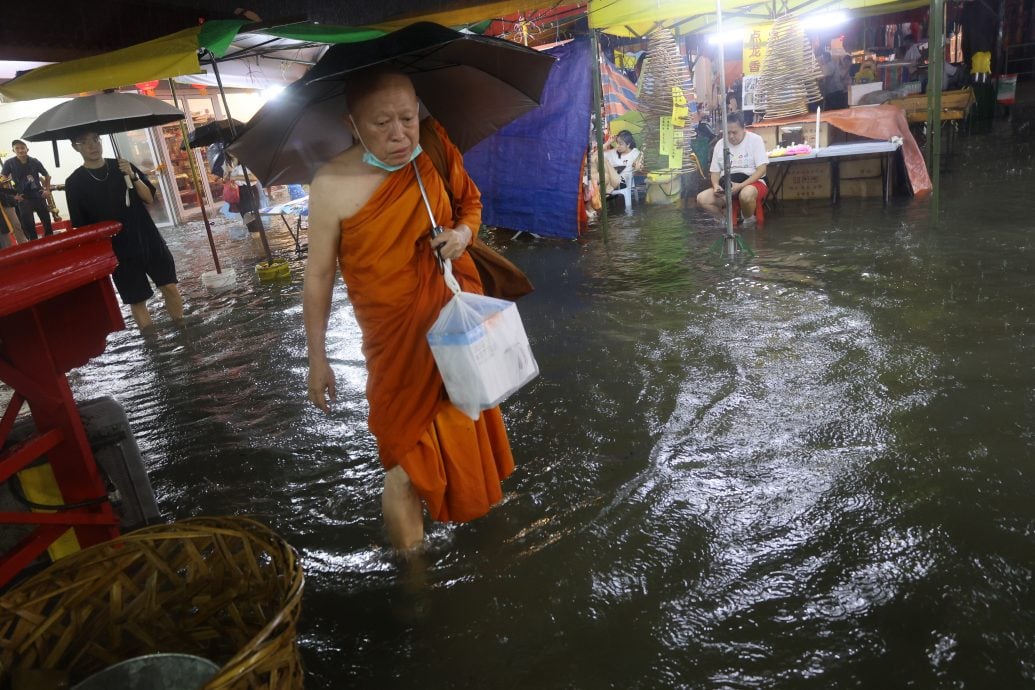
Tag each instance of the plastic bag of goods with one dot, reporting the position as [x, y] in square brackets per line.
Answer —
[481, 350]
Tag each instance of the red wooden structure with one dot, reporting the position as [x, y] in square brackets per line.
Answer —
[57, 307]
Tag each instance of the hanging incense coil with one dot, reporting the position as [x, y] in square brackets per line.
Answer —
[663, 69]
[790, 75]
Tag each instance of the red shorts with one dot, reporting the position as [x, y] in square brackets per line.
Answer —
[762, 189]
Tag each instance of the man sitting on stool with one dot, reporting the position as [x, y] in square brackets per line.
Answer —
[748, 161]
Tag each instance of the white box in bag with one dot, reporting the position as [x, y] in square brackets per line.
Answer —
[482, 352]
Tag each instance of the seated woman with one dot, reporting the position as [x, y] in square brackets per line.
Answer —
[591, 180]
[625, 157]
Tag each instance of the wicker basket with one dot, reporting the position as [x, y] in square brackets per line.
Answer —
[227, 589]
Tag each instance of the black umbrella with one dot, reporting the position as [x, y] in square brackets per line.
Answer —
[217, 132]
[472, 84]
[103, 113]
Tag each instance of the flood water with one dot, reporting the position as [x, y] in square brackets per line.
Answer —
[809, 468]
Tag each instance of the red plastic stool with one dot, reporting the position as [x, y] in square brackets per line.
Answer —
[759, 211]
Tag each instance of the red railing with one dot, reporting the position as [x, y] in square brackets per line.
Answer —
[57, 307]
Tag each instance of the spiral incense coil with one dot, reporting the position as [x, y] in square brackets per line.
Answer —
[663, 69]
[790, 75]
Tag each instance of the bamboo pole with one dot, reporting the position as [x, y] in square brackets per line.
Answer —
[935, 68]
[247, 179]
[598, 98]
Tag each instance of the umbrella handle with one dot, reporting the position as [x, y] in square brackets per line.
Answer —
[129, 186]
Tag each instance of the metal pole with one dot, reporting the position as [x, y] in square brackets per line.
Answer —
[196, 178]
[247, 180]
[598, 98]
[935, 68]
[727, 187]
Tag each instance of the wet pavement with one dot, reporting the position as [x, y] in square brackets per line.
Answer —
[809, 468]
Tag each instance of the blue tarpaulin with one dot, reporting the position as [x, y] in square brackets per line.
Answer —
[529, 171]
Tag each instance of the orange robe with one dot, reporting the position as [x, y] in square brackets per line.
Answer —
[396, 290]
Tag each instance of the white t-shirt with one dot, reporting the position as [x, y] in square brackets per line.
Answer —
[624, 161]
[744, 157]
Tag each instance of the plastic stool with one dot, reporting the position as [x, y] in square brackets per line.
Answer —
[759, 211]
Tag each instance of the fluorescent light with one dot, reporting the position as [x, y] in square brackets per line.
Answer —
[824, 20]
[271, 92]
[731, 36]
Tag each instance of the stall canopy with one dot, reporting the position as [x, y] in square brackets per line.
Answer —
[244, 62]
[168, 56]
[634, 18]
[529, 171]
[473, 14]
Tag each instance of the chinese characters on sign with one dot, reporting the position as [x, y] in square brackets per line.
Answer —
[755, 46]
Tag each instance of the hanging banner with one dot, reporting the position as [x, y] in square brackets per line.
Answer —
[755, 46]
[675, 156]
[680, 109]
[665, 136]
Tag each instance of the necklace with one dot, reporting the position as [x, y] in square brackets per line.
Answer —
[98, 179]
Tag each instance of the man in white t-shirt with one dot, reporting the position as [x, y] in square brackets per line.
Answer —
[748, 161]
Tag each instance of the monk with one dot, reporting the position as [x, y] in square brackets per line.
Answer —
[366, 217]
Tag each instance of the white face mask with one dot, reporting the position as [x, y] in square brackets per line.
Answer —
[371, 159]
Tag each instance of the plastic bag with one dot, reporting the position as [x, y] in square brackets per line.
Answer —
[481, 350]
[231, 194]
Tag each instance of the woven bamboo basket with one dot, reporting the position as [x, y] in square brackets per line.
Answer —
[227, 589]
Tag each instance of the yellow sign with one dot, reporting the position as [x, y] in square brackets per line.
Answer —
[665, 136]
[625, 60]
[755, 46]
[675, 156]
[680, 110]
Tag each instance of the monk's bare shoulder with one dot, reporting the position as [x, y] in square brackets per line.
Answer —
[344, 184]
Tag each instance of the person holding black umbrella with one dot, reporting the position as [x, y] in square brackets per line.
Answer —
[97, 192]
[368, 217]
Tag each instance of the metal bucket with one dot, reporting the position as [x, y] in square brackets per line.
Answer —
[153, 672]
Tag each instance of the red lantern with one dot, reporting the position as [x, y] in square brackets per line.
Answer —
[202, 89]
[147, 87]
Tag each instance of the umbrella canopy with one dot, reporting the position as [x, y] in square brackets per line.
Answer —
[104, 113]
[214, 132]
[472, 84]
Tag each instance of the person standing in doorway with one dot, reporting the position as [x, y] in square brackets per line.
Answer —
[25, 172]
[97, 192]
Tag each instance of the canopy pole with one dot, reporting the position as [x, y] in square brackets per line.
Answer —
[196, 178]
[598, 99]
[730, 242]
[935, 67]
[247, 179]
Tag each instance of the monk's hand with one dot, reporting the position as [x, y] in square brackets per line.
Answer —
[321, 385]
[452, 242]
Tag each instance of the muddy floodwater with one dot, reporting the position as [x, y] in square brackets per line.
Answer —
[808, 468]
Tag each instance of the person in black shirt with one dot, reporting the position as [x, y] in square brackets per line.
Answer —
[25, 172]
[97, 192]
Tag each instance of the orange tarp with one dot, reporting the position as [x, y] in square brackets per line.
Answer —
[396, 291]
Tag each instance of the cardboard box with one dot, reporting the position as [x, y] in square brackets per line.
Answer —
[870, 187]
[803, 132]
[861, 168]
[807, 181]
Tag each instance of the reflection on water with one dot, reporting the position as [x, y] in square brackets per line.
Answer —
[809, 465]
